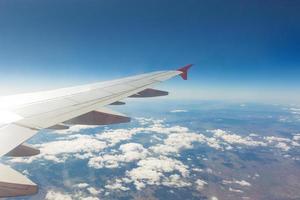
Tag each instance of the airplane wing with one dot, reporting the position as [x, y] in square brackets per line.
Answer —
[22, 116]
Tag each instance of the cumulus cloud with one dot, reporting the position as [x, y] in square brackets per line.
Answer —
[151, 171]
[93, 191]
[285, 144]
[178, 141]
[237, 182]
[54, 195]
[59, 151]
[82, 185]
[129, 152]
[116, 186]
[235, 190]
[156, 165]
[74, 129]
[236, 139]
[200, 184]
[296, 137]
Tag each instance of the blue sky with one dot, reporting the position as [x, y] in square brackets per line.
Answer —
[243, 50]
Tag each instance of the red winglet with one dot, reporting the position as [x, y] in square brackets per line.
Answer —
[184, 71]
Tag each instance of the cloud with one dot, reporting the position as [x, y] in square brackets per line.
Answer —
[82, 185]
[59, 151]
[175, 180]
[235, 190]
[177, 141]
[285, 144]
[200, 184]
[296, 137]
[93, 191]
[116, 186]
[74, 129]
[151, 171]
[178, 111]
[54, 195]
[237, 182]
[236, 139]
[129, 152]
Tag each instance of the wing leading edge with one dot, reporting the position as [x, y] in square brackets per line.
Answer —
[75, 105]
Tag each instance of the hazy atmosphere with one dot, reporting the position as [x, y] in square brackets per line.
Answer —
[242, 50]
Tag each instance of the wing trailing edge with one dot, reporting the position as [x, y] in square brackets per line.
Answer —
[23, 150]
[103, 116]
[149, 93]
[12, 183]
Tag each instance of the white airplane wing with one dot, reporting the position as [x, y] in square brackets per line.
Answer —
[22, 116]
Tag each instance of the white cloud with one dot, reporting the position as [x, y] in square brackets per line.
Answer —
[89, 198]
[54, 195]
[285, 144]
[277, 139]
[116, 186]
[197, 170]
[82, 185]
[152, 171]
[295, 110]
[74, 129]
[175, 180]
[237, 182]
[178, 111]
[236, 139]
[130, 152]
[57, 195]
[200, 184]
[243, 183]
[93, 191]
[178, 141]
[296, 137]
[235, 190]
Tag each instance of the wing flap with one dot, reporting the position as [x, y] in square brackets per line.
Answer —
[23, 150]
[149, 93]
[58, 127]
[103, 116]
[12, 136]
[12, 183]
[117, 103]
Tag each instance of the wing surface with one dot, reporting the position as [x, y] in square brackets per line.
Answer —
[22, 116]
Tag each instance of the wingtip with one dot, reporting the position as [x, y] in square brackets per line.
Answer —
[184, 71]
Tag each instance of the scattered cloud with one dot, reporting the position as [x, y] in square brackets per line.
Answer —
[235, 190]
[74, 129]
[200, 184]
[236, 182]
[151, 171]
[296, 137]
[158, 164]
[129, 152]
[231, 138]
[82, 185]
[54, 195]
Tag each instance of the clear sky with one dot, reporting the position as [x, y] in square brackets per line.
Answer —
[242, 50]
